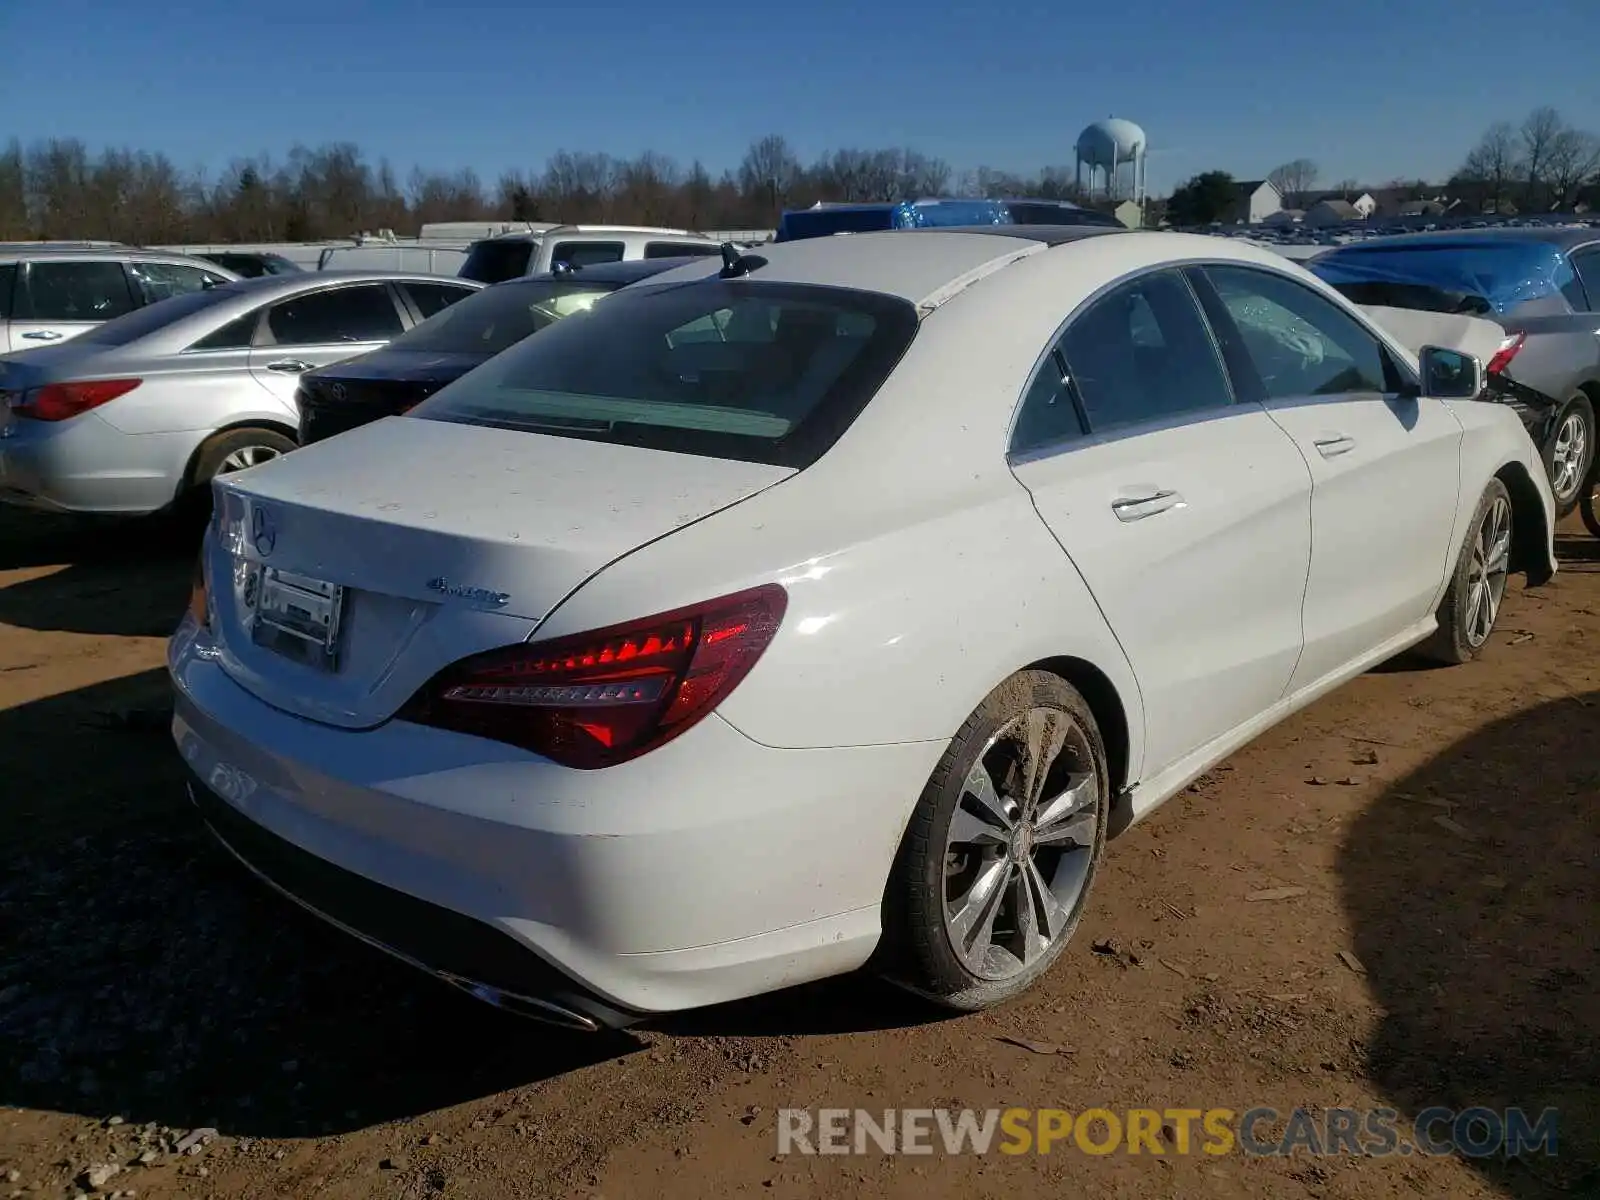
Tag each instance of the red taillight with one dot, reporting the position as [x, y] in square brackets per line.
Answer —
[60, 401]
[1503, 356]
[594, 699]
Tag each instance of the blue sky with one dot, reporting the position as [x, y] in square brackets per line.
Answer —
[1370, 89]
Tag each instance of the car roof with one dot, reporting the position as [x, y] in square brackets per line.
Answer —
[1562, 236]
[620, 273]
[928, 266]
[590, 230]
[272, 286]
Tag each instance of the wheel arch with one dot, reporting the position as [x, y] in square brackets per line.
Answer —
[1530, 532]
[1110, 713]
[275, 425]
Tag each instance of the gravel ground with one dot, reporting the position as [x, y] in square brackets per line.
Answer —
[1388, 900]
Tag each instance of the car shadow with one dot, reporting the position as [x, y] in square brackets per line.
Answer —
[1471, 889]
[147, 975]
[122, 579]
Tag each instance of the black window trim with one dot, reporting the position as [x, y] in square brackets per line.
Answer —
[1241, 370]
[1089, 437]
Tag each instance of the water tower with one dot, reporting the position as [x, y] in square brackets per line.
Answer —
[1114, 151]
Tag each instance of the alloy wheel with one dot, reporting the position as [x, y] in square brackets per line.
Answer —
[1568, 458]
[1020, 844]
[1486, 576]
[246, 457]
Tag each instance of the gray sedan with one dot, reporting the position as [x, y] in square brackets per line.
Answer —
[138, 413]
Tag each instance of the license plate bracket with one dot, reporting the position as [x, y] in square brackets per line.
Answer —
[298, 617]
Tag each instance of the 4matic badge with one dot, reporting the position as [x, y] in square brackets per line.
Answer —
[461, 591]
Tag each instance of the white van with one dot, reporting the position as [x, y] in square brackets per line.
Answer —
[511, 256]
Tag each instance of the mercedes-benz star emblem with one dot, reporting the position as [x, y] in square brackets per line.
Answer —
[263, 531]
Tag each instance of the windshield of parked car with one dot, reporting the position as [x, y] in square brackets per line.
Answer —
[495, 260]
[141, 322]
[489, 321]
[763, 372]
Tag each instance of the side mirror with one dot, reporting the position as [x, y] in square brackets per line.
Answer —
[1450, 374]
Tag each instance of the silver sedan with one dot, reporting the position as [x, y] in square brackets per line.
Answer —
[134, 415]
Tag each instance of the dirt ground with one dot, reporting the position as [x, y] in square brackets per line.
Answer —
[1432, 838]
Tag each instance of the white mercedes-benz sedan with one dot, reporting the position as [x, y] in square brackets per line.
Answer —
[827, 604]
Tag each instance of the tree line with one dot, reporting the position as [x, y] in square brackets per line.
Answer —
[59, 189]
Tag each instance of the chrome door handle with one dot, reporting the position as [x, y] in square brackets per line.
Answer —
[1137, 508]
[1332, 447]
[43, 335]
[289, 366]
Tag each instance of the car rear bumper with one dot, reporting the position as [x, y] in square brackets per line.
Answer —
[710, 869]
[84, 465]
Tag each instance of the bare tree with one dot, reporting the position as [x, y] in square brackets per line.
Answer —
[1293, 180]
[770, 168]
[1572, 158]
[1539, 134]
[1494, 163]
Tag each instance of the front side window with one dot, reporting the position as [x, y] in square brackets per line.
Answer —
[74, 291]
[586, 254]
[762, 372]
[162, 281]
[1142, 352]
[1299, 343]
[363, 313]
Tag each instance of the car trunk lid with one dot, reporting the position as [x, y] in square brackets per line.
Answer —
[423, 542]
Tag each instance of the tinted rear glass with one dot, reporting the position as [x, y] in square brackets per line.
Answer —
[144, 321]
[8, 280]
[497, 260]
[763, 372]
[681, 249]
[824, 222]
[491, 320]
[1504, 272]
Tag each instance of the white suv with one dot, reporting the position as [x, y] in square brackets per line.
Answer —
[512, 255]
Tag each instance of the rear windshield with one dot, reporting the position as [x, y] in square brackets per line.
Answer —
[489, 321]
[1502, 273]
[762, 372]
[496, 260]
[120, 331]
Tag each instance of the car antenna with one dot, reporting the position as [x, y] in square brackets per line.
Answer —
[735, 263]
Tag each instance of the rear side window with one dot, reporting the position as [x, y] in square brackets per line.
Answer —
[1142, 352]
[586, 254]
[74, 291]
[680, 249]
[496, 260]
[763, 372]
[235, 335]
[8, 280]
[1586, 262]
[431, 298]
[363, 313]
[1567, 280]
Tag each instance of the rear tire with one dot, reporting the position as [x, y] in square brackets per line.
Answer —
[1569, 455]
[998, 860]
[227, 452]
[1471, 603]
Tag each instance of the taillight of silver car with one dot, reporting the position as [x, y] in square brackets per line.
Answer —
[596, 699]
[63, 401]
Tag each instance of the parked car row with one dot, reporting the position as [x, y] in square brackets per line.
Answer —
[814, 606]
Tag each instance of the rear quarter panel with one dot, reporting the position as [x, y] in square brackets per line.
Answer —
[1561, 355]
